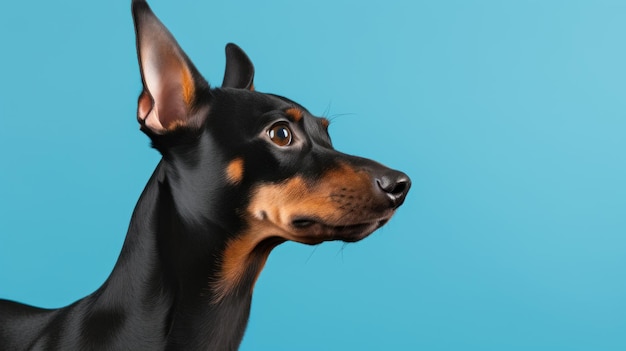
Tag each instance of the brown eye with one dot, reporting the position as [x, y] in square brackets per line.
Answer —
[280, 134]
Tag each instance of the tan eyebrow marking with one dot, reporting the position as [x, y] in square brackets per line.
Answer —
[294, 113]
[325, 123]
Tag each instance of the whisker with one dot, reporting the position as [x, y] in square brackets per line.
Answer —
[311, 255]
[337, 115]
[327, 110]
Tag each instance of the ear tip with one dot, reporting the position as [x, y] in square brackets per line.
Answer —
[235, 52]
[138, 2]
[139, 7]
[239, 69]
[232, 48]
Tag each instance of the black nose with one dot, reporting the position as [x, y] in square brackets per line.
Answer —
[396, 185]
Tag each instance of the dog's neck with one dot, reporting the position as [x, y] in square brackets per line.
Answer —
[165, 274]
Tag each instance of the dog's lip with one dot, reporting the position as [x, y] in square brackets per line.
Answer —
[321, 230]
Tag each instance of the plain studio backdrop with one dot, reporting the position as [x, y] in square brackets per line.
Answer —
[510, 118]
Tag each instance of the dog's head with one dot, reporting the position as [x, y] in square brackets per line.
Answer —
[262, 145]
[257, 164]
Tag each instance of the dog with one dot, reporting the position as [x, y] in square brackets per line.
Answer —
[241, 172]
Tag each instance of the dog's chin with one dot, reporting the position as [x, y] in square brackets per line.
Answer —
[313, 231]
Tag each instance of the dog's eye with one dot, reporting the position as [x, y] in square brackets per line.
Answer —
[280, 134]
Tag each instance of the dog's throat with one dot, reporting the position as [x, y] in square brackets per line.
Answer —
[242, 261]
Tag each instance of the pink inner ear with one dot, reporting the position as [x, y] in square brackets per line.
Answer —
[144, 105]
[169, 88]
[149, 113]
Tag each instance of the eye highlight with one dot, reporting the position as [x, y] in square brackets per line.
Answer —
[280, 134]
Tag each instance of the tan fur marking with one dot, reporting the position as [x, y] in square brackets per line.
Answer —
[343, 196]
[325, 123]
[234, 171]
[294, 113]
[177, 124]
[188, 87]
[239, 255]
[295, 197]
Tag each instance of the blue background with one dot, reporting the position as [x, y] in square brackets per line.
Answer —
[510, 117]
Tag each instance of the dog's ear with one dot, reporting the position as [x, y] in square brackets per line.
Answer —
[239, 69]
[171, 83]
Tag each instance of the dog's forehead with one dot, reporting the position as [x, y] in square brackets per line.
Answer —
[251, 104]
[262, 102]
[288, 104]
[242, 99]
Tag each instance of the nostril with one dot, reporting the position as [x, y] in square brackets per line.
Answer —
[396, 185]
[400, 187]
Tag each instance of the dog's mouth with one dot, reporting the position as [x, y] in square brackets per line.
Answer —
[344, 204]
[312, 230]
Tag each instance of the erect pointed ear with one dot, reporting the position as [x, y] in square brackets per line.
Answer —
[170, 81]
[239, 69]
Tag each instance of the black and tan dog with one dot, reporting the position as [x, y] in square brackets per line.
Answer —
[241, 172]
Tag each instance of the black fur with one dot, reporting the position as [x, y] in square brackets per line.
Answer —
[171, 288]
